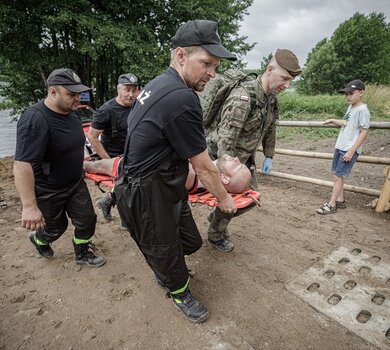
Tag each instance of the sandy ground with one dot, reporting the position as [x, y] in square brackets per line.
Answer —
[58, 305]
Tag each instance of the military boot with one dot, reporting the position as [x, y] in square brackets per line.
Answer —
[218, 232]
[226, 233]
[105, 204]
[84, 255]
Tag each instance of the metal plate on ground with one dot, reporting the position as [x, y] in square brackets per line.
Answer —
[352, 286]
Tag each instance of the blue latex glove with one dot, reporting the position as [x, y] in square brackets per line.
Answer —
[267, 165]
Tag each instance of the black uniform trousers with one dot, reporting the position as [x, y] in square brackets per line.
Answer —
[56, 203]
[155, 210]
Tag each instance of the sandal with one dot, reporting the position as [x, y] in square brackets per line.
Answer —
[327, 209]
[341, 204]
[3, 203]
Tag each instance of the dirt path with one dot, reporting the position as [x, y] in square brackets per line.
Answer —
[56, 305]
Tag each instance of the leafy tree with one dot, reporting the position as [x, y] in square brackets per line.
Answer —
[264, 63]
[358, 49]
[363, 45]
[318, 77]
[99, 40]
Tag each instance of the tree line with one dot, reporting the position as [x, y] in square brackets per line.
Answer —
[358, 49]
[99, 40]
[102, 39]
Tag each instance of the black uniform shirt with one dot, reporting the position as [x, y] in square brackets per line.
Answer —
[109, 114]
[53, 144]
[173, 125]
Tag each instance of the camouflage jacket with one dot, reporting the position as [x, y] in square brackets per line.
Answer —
[239, 129]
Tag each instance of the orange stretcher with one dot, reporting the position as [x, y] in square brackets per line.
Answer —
[242, 200]
[100, 179]
[105, 180]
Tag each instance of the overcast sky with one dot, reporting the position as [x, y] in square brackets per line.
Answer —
[299, 24]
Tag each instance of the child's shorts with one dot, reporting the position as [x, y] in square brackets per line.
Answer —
[339, 167]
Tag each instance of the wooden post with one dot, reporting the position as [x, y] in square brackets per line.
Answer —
[384, 197]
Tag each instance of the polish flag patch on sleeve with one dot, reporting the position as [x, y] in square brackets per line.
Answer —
[244, 98]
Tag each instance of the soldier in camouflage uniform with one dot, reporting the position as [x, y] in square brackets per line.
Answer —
[248, 118]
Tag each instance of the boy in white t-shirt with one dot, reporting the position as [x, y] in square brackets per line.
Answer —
[349, 144]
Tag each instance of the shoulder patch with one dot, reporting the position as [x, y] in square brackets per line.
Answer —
[244, 98]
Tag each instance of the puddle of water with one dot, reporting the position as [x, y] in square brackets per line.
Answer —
[7, 134]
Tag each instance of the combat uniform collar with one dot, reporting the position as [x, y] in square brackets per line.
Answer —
[262, 97]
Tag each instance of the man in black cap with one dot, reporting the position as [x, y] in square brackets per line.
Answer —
[110, 120]
[107, 133]
[165, 130]
[246, 120]
[48, 170]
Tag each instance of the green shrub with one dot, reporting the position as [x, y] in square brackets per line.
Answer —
[377, 98]
[293, 105]
[296, 106]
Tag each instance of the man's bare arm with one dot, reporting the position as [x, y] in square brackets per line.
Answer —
[93, 138]
[32, 217]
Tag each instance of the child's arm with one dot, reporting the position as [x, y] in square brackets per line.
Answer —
[361, 138]
[338, 122]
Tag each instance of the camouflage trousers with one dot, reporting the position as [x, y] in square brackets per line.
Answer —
[219, 222]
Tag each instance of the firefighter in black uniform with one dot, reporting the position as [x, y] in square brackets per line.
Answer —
[109, 123]
[165, 130]
[48, 170]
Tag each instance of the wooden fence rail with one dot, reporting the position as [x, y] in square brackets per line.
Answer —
[320, 124]
[320, 155]
[351, 188]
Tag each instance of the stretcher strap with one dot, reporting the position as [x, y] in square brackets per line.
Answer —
[101, 180]
[106, 180]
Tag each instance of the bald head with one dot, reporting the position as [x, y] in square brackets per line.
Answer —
[234, 175]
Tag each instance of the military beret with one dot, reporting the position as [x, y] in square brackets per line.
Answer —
[287, 60]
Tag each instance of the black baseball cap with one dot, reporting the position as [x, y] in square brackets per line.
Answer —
[128, 79]
[352, 86]
[204, 33]
[68, 79]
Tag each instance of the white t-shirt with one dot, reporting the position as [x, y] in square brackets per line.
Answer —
[356, 118]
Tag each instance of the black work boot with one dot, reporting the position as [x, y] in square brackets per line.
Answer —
[43, 250]
[84, 255]
[105, 204]
[190, 307]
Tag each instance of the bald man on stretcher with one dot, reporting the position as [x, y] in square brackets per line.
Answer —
[234, 175]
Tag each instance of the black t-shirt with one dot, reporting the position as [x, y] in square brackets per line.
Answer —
[109, 114]
[53, 144]
[173, 125]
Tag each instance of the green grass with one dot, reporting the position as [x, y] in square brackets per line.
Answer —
[294, 106]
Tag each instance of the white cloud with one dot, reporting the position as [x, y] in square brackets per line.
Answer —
[299, 25]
